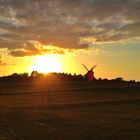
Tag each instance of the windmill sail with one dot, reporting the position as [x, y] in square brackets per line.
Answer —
[93, 67]
[85, 67]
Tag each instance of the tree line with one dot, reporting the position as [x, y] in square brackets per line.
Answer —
[25, 77]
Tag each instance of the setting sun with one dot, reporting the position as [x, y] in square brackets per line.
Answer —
[47, 63]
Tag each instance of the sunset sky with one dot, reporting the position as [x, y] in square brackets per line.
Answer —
[61, 35]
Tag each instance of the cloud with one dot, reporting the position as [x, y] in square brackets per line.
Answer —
[35, 48]
[2, 63]
[67, 24]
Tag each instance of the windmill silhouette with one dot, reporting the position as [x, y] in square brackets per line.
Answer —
[90, 73]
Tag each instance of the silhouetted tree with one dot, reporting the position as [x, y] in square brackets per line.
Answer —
[119, 79]
[34, 74]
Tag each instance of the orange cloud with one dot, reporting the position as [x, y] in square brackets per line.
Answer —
[63, 24]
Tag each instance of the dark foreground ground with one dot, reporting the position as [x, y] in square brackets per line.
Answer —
[69, 111]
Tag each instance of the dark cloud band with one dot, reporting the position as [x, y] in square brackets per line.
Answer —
[73, 24]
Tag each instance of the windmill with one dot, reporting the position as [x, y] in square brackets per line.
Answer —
[90, 73]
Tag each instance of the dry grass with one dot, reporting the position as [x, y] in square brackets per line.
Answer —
[71, 111]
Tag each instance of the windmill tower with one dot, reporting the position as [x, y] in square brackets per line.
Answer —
[90, 73]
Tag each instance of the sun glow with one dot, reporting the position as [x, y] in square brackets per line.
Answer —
[47, 63]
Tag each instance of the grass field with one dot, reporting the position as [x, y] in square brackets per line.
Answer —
[69, 111]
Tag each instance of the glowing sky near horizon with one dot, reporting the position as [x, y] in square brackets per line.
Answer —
[72, 32]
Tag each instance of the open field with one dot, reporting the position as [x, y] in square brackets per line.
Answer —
[69, 110]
